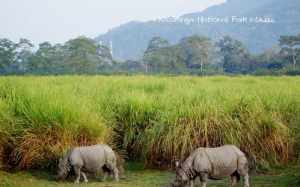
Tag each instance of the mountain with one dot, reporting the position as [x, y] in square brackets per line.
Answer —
[238, 7]
[269, 20]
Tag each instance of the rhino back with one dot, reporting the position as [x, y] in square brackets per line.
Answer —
[92, 158]
[218, 162]
[224, 160]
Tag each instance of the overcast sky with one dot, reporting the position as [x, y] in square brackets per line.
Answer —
[60, 20]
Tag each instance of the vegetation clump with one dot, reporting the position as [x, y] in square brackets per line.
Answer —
[150, 119]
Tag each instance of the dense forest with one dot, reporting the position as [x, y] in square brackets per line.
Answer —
[195, 55]
[202, 56]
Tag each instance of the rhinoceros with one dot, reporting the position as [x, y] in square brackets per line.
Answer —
[212, 163]
[91, 159]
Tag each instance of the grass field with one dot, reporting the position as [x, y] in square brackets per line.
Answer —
[147, 118]
[137, 176]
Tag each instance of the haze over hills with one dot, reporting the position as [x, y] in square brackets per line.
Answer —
[232, 7]
[282, 18]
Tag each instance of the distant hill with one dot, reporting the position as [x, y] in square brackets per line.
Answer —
[130, 40]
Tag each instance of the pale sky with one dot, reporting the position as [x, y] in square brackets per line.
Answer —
[60, 20]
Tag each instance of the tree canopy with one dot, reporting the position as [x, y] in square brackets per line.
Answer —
[191, 55]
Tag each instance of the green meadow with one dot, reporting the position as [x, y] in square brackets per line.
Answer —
[137, 176]
[148, 119]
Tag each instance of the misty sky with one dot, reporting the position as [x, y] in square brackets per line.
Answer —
[60, 20]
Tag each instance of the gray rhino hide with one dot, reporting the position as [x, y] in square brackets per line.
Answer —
[91, 159]
[216, 162]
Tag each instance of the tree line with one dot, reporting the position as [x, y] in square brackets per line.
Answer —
[201, 55]
[192, 55]
[77, 56]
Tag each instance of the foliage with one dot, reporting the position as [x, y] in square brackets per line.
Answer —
[291, 48]
[153, 119]
[196, 55]
[191, 54]
[157, 43]
[45, 114]
[7, 54]
[235, 55]
[199, 51]
[167, 60]
[79, 55]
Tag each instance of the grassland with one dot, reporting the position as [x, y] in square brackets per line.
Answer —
[149, 119]
[137, 176]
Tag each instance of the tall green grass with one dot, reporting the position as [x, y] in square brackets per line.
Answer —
[154, 119]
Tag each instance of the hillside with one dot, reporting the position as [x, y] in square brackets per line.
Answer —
[131, 39]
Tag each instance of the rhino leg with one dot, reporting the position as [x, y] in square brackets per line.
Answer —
[235, 178]
[246, 181]
[203, 179]
[116, 174]
[84, 177]
[113, 168]
[243, 170]
[233, 181]
[77, 173]
[104, 176]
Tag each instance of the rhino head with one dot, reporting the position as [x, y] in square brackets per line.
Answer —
[181, 178]
[63, 169]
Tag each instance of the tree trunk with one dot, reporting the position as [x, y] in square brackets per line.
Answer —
[201, 67]
[146, 67]
[294, 60]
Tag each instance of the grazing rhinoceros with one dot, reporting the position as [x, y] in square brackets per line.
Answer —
[213, 163]
[91, 159]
